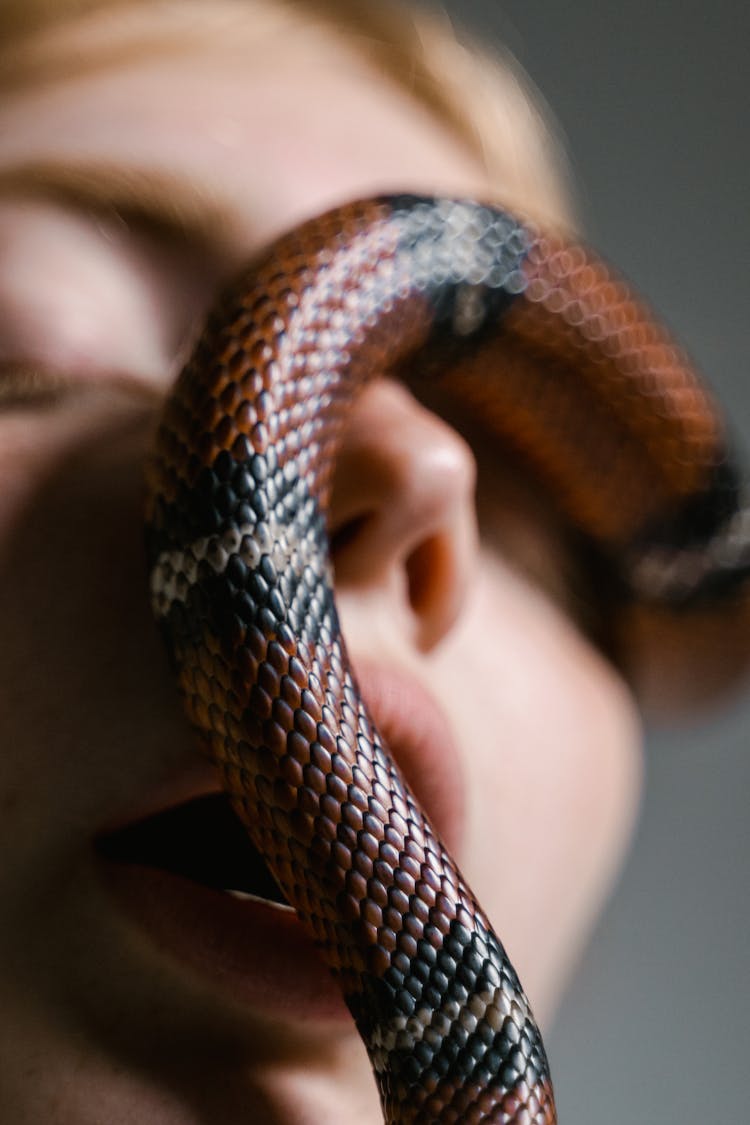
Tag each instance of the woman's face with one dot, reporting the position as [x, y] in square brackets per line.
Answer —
[128, 993]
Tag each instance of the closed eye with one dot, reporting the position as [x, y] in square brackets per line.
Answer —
[86, 296]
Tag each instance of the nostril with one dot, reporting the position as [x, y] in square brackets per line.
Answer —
[425, 575]
[347, 533]
[433, 586]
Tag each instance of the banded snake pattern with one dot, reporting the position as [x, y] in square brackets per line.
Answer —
[559, 360]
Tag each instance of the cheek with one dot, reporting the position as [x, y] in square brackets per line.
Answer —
[78, 639]
[552, 762]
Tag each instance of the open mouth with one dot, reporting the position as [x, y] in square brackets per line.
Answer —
[193, 883]
[183, 868]
[202, 840]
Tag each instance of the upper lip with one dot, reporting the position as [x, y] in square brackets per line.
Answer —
[418, 733]
[414, 729]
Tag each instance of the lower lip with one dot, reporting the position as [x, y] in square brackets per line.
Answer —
[257, 953]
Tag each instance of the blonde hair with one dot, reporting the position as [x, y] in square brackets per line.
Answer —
[483, 99]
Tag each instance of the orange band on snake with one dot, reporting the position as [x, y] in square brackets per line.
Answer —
[564, 365]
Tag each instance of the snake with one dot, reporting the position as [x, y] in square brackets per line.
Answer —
[559, 361]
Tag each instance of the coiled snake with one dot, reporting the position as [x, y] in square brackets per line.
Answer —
[566, 367]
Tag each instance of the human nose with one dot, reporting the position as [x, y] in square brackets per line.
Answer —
[402, 513]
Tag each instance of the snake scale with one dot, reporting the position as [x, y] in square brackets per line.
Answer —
[557, 357]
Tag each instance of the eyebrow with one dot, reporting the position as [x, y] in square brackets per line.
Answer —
[172, 202]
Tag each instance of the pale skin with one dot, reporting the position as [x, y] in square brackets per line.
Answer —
[97, 1021]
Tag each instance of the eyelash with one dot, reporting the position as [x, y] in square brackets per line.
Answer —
[23, 386]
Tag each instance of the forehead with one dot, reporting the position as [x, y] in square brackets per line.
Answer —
[253, 124]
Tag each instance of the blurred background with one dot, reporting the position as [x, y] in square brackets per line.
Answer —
[652, 98]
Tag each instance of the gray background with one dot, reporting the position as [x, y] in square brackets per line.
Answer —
[652, 98]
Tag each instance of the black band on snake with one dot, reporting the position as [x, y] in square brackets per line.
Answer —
[567, 368]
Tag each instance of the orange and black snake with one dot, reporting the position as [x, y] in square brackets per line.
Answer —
[558, 359]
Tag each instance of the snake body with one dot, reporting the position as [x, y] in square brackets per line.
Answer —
[559, 360]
